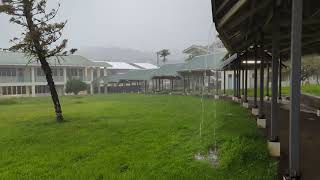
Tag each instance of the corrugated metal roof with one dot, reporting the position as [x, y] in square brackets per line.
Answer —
[101, 63]
[121, 65]
[146, 65]
[168, 70]
[134, 75]
[206, 62]
[15, 58]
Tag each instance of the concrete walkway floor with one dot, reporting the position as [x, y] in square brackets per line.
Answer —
[310, 138]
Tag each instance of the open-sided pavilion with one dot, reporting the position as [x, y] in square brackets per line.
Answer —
[275, 27]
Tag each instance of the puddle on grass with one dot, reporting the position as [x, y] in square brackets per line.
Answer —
[211, 157]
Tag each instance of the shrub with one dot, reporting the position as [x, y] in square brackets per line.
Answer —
[75, 86]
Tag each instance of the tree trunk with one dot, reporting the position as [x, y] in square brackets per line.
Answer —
[54, 95]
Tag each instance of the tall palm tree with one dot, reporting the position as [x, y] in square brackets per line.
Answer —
[164, 53]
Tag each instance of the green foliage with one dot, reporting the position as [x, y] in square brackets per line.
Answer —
[130, 136]
[75, 86]
[310, 67]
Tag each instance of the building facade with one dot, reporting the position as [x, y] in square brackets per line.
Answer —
[22, 76]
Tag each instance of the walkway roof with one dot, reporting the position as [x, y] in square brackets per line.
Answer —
[238, 23]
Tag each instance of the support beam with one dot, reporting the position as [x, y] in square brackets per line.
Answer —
[295, 92]
[268, 80]
[217, 83]
[234, 82]
[239, 79]
[261, 51]
[231, 12]
[224, 82]
[246, 81]
[274, 134]
[255, 104]
[280, 78]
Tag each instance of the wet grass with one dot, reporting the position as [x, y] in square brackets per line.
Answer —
[310, 89]
[130, 137]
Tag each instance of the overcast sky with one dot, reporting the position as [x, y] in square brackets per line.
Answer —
[146, 25]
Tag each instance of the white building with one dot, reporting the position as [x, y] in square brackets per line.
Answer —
[20, 76]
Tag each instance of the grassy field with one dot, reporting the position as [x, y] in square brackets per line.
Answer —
[129, 137]
[310, 89]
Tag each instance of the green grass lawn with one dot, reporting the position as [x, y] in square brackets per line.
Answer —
[129, 137]
[310, 89]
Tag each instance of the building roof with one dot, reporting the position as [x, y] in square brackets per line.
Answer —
[101, 64]
[168, 70]
[121, 65]
[133, 75]
[146, 65]
[206, 62]
[20, 59]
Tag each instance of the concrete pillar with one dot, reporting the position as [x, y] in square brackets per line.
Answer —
[33, 81]
[275, 63]
[261, 51]
[255, 104]
[295, 93]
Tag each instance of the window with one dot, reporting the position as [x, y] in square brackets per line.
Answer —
[40, 72]
[19, 90]
[4, 91]
[42, 89]
[14, 90]
[23, 90]
[8, 72]
[9, 91]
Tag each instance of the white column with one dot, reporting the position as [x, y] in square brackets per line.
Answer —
[33, 81]
[86, 74]
[65, 75]
[98, 76]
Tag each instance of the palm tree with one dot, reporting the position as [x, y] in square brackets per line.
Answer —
[164, 53]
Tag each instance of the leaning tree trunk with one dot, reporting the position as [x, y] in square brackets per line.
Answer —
[54, 95]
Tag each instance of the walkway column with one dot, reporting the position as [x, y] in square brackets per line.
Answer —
[261, 107]
[246, 80]
[255, 104]
[280, 77]
[224, 82]
[274, 135]
[234, 82]
[295, 92]
[239, 79]
[184, 84]
[268, 80]
[242, 82]
[217, 83]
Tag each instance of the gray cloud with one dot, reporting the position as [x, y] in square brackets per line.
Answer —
[146, 25]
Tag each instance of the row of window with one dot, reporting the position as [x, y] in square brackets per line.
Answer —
[42, 90]
[8, 72]
[39, 72]
[14, 90]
